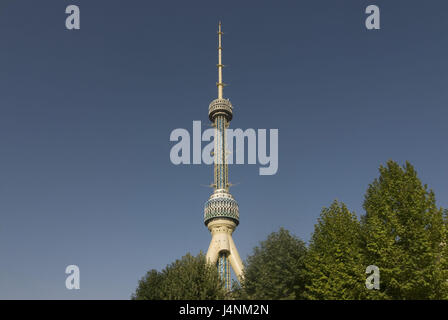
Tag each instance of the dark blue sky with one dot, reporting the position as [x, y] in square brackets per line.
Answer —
[85, 119]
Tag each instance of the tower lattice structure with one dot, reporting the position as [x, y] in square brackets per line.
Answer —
[221, 213]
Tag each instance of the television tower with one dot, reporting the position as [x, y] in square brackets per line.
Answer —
[221, 214]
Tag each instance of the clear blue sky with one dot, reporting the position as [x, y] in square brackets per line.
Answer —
[85, 119]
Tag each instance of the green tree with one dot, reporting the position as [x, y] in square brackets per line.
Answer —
[149, 287]
[189, 278]
[275, 269]
[404, 235]
[334, 262]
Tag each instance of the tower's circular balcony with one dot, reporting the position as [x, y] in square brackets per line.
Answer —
[221, 205]
[220, 107]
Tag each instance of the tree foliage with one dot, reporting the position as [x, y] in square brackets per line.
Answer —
[334, 262]
[275, 269]
[189, 278]
[404, 234]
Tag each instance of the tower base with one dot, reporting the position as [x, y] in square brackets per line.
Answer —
[222, 242]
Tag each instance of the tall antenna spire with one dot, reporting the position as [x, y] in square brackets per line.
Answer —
[220, 84]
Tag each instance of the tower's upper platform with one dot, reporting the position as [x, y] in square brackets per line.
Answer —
[220, 107]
